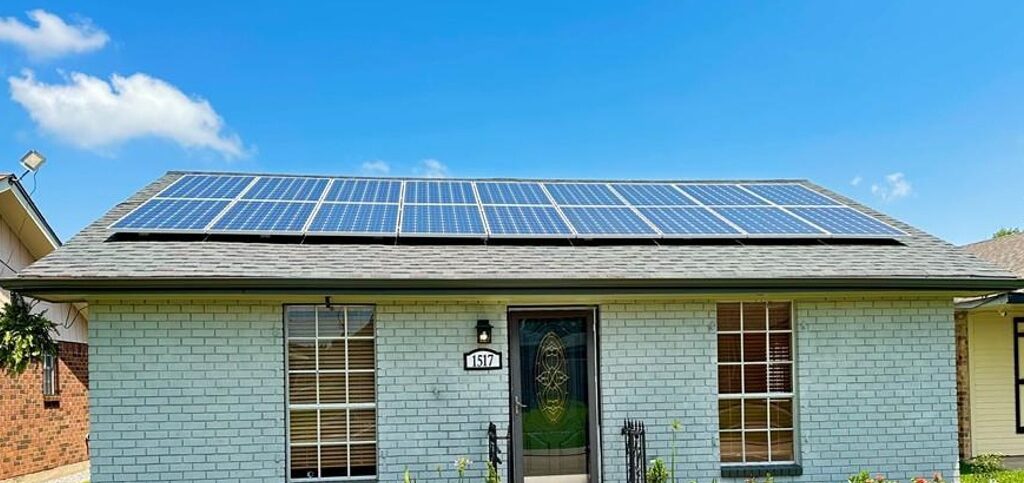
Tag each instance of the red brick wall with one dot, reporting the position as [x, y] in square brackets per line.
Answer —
[37, 435]
[963, 386]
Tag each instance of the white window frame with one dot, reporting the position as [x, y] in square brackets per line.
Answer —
[49, 366]
[743, 395]
[348, 443]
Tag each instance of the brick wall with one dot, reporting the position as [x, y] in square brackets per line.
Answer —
[430, 410]
[36, 435]
[184, 391]
[875, 386]
[657, 363]
[963, 386]
[195, 391]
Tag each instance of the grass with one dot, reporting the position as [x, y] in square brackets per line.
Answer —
[1012, 476]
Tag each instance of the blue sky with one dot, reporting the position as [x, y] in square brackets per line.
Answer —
[914, 108]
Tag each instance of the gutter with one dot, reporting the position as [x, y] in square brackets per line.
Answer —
[81, 288]
[992, 300]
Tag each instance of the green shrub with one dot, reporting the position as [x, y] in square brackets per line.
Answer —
[985, 464]
[1000, 477]
[492, 474]
[657, 472]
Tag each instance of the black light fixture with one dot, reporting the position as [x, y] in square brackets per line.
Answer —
[484, 332]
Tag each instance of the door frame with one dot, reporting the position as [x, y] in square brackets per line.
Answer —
[514, 316]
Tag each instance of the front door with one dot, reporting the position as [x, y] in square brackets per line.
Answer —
[554, 396]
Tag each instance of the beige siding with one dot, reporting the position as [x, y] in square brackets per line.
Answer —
[72, 325]
[993, 423]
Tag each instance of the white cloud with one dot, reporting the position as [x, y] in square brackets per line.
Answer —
[51, 37]
[895, 187]
[376, 168]
[856, 180]
[432, 168]
[91, 113]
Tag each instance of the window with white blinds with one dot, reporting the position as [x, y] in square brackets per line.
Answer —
[755, 383]
[332, 431]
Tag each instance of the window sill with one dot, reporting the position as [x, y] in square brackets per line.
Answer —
[752, 471]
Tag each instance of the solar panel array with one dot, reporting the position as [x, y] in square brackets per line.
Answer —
[363, 207]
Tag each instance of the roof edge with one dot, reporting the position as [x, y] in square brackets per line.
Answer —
[52, 288]
[25, 199]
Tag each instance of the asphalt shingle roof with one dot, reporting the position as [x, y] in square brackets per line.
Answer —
[1006, 252]
[92, 255]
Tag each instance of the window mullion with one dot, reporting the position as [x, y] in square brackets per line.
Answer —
[348, 399]
[316, 365]
[768, 377]
[743, 390]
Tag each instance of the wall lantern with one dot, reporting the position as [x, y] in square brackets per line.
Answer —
[484, 331]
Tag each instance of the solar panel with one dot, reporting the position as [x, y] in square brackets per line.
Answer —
[767, 221]
[265, 217]
[442, 220]
[598, 222]
[721, 195]
[222, 203]
[525, 220]
[687, 221]
[582, 194]
[790, 194]
[206, 186]
[364, 191]
[287, 189]
[439, 192]
[512, 194]
[845, 221]
[172, 215]
[650, 194]
[355, 218]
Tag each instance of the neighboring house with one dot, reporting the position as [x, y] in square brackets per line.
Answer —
[268, 328]
[990, 332]
[44, 412]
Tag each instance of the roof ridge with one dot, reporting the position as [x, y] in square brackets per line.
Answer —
[1001, 239]
[512, 179]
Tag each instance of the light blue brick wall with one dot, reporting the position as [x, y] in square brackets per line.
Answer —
[657, 363]
[430, 410]
[186, 391]
[875, 386]
[194, 390]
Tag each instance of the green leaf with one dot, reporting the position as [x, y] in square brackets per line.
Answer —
[26, 336]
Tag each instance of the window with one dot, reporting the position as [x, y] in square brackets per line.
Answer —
[332, 416]
[50, 375]
[755, 382]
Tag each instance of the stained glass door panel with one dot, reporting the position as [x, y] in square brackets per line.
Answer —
[554, 399]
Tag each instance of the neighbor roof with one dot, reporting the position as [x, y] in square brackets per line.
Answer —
[1006, 252]
[93, 261]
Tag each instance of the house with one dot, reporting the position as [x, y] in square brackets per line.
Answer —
[44, 412]
[989, 372]
[250, 327]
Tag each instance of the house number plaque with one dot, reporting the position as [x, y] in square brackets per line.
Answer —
[482, 360]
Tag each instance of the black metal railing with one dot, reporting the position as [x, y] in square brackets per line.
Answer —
[493, 451]
[636, 451]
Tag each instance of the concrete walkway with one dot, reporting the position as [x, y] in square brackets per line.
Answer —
[73, 478]
[76, 473]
